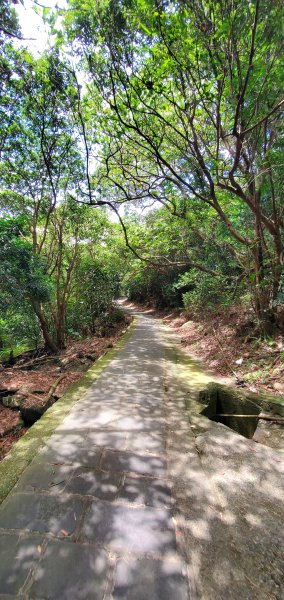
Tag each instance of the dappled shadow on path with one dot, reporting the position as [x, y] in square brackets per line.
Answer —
[132, 493]
[100, 483]
[229, 492]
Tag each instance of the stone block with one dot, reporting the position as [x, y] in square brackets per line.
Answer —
[123, 528]
[70, 572]
[163, 579]
[147, 491]
[134, 463]
[102, 485]
[59, 515]
[17, 556]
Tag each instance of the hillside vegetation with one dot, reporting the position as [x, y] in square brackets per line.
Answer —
[141, 153]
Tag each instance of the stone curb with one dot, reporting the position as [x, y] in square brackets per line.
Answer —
[23, 452]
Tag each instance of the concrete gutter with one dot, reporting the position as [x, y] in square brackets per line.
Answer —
[229, 494]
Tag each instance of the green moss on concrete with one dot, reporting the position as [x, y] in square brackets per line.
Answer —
[28, 446]
[191, 373]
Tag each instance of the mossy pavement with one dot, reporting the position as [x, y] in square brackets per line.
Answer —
[135, 497]
[23, 452]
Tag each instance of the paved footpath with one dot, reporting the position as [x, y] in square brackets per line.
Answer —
[92, 517]
[122, 501]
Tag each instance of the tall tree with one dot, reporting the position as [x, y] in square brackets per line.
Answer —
[41, 163]
[23, 275]
[191, 116]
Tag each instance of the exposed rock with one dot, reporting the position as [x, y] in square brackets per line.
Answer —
[33, 408]
[18, 399]
[65, 361]
[93, 357]
[9, 387]
[187, 325]
[28, 389]
[12, 401]
[279, 386]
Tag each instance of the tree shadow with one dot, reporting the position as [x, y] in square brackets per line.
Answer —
[112, 518]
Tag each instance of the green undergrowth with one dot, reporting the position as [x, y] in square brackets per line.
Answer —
[17, 351]
[23, 452]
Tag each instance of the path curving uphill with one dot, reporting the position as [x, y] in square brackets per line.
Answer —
[134, 497]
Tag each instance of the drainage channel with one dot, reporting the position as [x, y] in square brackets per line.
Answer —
[237, 410]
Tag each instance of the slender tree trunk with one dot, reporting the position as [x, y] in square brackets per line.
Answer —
[49, 342]
[278, 266]
[262, 292]
[259, 274]
[60, 326]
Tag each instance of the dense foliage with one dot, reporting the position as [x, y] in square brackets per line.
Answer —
[190, 105]
[167, 115]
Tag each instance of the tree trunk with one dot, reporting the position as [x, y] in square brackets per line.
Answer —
[262, 293]
[49, 342]
[60, 327]
[278, 266]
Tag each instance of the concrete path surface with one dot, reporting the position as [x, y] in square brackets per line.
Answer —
[135, 498]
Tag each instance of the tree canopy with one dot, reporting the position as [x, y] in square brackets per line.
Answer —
[166, 115]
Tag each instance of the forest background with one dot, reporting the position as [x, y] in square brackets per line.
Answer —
[140, 153]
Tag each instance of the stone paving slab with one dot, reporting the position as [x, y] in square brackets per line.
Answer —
[134, 423]
[17, 556]
[151, 442]
[61, 451]
[68, 571]
[134, 463]
[103, 417]
[126, 529]
[56, 515]
[95, 483]
[147, 491]
[45, 476]
[78, 440]
[164, 580]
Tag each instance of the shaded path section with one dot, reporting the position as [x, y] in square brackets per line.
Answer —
[229, 495]
[137, 496]
[92, 517]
